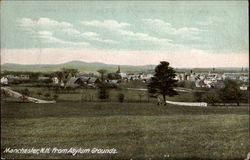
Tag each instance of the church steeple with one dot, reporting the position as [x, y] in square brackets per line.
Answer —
[118, 70]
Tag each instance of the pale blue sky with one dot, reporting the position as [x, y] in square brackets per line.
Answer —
[213, 27]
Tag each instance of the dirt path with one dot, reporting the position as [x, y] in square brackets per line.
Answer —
[21, 96]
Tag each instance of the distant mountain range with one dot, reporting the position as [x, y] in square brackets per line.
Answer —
[80, 65]
[94, 66]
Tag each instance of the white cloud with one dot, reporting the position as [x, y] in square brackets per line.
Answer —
[43, 23]
[45, 33]
[109, 24]
[71, 31]
[96, 37]
[121, 28]
[90, 34]
[48, 37]
[44, 29]
[143, 36]
[167, 28]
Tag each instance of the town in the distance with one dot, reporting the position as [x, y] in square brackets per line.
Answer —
[207, 78]
[53, 85]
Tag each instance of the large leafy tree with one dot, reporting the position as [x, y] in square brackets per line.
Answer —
[102, 72]
[163, 81]
[103, 88]
[231, 91]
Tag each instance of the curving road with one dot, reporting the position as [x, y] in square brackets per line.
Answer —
[21, 96]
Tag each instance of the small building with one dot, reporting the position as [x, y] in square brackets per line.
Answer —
[55, 80]
[93, 80]
[4, 80]
[200, 83]
[123, 75]
[83, 80]
[113, 81]
[218, 84]
[11, 78]
[24, 77]
[73, 82]
[244, 87]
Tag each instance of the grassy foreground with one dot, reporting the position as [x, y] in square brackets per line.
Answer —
[136, 130]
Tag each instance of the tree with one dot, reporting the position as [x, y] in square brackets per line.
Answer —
[103, 91]
[211, 97]
[25, 93]
[186, 84]
[65, 75]
[5, 94]
[232, 91]
[197, 96]
[55, 97]
[59, 75]
[140, 94]
[47, 95]
[121, 97]
[72, 71]
[113, 76]
[39, 93]
[163, 81]
[102, 72]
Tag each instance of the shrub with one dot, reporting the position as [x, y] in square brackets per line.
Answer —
[25, 92]
[55, 97]
[103, 91]
[121, 97]
[47, 95]
[39, 94]
[197, 96]
[211, 97]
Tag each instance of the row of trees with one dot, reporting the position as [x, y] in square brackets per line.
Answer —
[231, 93]
[163, 83]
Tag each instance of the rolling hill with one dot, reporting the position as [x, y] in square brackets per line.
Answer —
[80, 65]
[94, 66]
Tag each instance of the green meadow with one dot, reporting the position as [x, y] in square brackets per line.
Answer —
[135, 130]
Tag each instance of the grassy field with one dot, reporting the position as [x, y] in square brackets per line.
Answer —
[136, 130]
[81, 95]
[89, 94]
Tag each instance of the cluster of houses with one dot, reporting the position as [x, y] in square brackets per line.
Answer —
[212, 79]
[126, 77]
[143, 77]
[201, 80]
[82, 80]
[11, 78]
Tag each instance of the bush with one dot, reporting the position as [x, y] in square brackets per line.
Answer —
[55, 97]
[211, 97]
[25, 92]
[103, 91]
[39, 94]
[186, 84]
[197, 96]
[121, 97]
[47, 95]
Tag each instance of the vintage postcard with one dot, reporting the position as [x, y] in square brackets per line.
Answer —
[124, 80]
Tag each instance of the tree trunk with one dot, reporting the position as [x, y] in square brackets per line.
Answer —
[164, 99]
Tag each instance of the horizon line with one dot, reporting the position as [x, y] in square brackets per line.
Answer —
[115, 64]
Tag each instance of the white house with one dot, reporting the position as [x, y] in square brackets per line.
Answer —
[123, 75]
[4, 80]
[55, 80]
[244, 87]
[146, 76]
[200, 83]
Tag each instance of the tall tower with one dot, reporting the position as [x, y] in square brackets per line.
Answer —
[118, 70]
